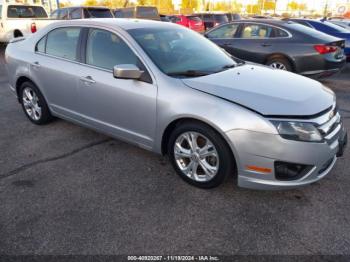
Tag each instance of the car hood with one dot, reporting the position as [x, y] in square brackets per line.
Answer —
[266, 91]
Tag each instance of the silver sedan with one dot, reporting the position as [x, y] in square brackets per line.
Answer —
[169, 90]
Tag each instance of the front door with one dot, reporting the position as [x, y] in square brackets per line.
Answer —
[121, 107]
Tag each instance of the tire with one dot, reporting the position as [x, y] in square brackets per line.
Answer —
[223, 162]
[277, 61]
[31, 107]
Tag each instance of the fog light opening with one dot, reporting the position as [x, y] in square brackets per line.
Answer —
[290, 171]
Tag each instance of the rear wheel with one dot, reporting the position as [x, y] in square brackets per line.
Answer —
[200, 155]
[280, 63]
[34, 104]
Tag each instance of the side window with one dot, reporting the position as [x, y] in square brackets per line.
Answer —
[106, 50]
[40, 46]
[226, 31]
[256, 31]
[63, 14]
[0, 11]
[63, 42]
[279, 33]
[75, 13]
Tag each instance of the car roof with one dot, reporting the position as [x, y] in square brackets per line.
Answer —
[276, 22]
[123, 23]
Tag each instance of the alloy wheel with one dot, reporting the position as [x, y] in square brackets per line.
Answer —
[31, 105]
[196, 156]
[278, 65]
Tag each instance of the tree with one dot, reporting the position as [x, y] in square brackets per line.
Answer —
[148, 2]
[294, 6]
[90, 3]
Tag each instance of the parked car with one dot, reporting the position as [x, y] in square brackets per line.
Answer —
[168, 89]
[17, 20]
[282, 45]
[328, 28]
[191, 21]
[345, 23]
[81, 12]
[212, 19]
[233, 16]
[142, 12]
[166, 18]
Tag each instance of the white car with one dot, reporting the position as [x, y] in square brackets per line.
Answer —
[17, 20]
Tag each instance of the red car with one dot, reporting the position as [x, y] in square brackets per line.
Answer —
[191, 21]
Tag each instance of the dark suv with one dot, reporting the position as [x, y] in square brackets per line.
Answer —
[213, 19]
[81, 12]
[141, 12]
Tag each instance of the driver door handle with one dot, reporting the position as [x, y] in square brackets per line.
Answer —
[35, 64]
[87, 79]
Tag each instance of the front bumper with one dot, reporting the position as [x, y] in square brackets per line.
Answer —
[263, 150]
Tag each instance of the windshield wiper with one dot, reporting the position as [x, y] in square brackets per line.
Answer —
[189, 73]
[229, 66]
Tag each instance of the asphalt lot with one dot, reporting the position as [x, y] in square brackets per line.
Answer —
[68, 190]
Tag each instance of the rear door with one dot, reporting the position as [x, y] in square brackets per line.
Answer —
[55, 66]
[255, 42]
[121, 107]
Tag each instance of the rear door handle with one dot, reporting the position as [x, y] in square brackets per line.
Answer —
[87, 79]
[265, 45]
[36, 64]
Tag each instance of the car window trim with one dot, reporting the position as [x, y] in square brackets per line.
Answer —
[58, 57]
[241, 26]
[290, 35]
[227, 24]
[83, 45]
[83, 49]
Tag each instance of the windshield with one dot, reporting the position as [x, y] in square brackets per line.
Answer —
[182, 52]
[21, 11]
[97, 13]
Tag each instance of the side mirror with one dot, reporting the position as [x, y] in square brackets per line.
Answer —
[127, 71]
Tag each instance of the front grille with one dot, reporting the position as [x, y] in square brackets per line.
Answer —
[330, 130]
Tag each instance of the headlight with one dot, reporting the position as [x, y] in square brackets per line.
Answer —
[298, 131]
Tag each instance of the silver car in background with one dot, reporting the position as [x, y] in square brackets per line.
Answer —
[168, 89]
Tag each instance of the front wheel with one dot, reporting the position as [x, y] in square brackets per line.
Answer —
[200, 155]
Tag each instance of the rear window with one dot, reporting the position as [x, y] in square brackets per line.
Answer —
[194, 18]
[147, 12]
[97, 13]
[221, 18]
[304, 29]
[20, 11]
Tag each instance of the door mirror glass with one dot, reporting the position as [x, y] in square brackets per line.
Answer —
[127, 71]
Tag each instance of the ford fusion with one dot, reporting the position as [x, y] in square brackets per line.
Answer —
[168, 89]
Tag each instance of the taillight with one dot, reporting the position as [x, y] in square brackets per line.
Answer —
[33, 28]
[325, 49]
